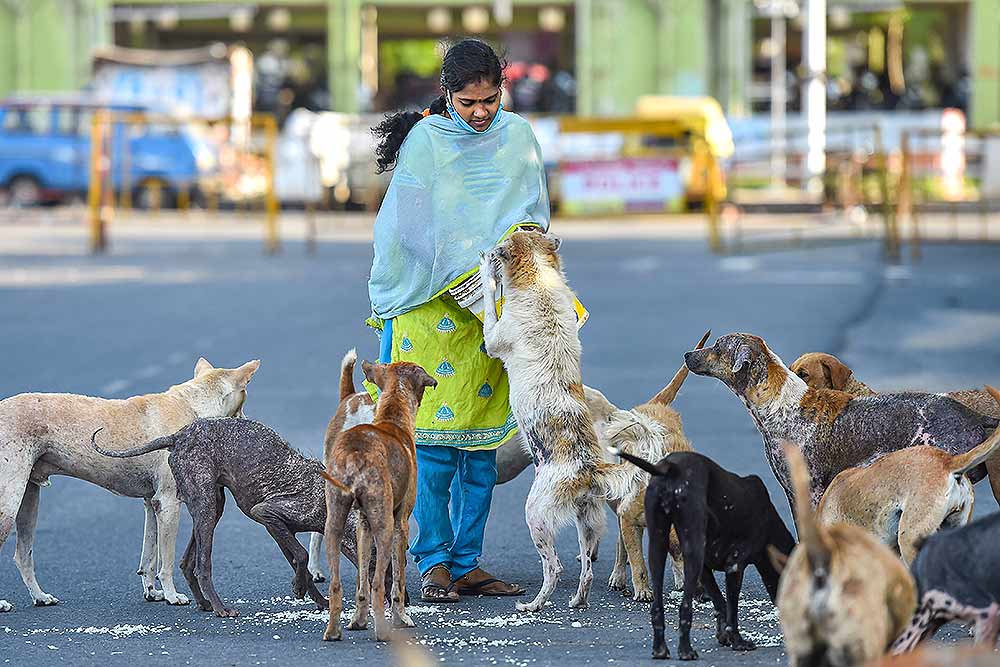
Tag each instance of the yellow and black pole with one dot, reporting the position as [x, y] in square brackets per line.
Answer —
[98, 164]
[272, 244]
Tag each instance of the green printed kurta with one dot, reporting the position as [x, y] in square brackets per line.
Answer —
[469, 408]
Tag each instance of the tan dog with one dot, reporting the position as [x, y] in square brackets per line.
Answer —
[825, 371]
[49, 434]
[906, 496]
[843, 597]
[650, 431]
[375, 466]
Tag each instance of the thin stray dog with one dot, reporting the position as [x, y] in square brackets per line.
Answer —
[650, 431]
[825, 371]
[958, 577]
[537, 340]
[271, 483]
[834, 430]
[725, 522]
[843, 597]
[46, 434]
[375, 466]
[906, 496]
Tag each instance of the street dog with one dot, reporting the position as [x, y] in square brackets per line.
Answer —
[825, 371]
[958, 578]
[357, 407]
[375, 466]
[271, 483]
[843, 597]
[536, 339]
[906, 496]
[834, 430]
[650, 431]
[46, 434]
[725, 523]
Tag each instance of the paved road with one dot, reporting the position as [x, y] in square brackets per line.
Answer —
[137, 320]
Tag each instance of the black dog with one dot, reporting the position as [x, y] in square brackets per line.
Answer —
[958, 579]
[724, 523]
[272, 484]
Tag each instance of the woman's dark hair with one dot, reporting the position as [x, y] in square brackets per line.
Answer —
[468, 61]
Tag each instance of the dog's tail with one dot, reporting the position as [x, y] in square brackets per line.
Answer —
[637, 461]
[337, 484]
[347, 374]
[811, 536]
[963, 463]
[166, 442]
[669, 393]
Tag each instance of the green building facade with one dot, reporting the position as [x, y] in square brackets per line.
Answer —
[620, 49]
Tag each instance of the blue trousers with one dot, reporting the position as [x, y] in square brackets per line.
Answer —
[454, 491]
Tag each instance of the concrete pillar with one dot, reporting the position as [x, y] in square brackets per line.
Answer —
[343, 44]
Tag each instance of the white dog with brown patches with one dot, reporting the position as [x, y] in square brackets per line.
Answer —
[49, 434]
[537, 340]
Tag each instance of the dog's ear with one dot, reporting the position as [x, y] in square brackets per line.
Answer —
[246, 371]
[743, 355]
[836, 372]
[202, 366]
[778, 559]
[372, 373]
[426, 380]
[553, 241]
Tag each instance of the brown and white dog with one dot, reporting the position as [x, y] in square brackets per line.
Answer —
[650, 431]
[843, 597]
[537, 340]
[906, 496]
[49, 434]
[834, 430]
[825, 371]
[375, 466]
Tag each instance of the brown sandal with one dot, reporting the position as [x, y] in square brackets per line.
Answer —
[435, 585]
[484, 583]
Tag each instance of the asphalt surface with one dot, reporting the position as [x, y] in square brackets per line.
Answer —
[135, 321]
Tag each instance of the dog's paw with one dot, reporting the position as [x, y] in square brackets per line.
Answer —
[226, 613]
[578, 602]
[738, 643]
[152, 595]
[643, 594]
[687, 653]
[177, 599]
[403, 621]
[383, 631]
[318, 577]
[661, 652]
[5, 606]
[205, 605]
[532, 606]
[46, 600]
[333, 634]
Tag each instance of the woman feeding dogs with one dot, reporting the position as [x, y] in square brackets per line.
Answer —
[466, 174]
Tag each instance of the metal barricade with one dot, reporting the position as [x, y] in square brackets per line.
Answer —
[227, 162]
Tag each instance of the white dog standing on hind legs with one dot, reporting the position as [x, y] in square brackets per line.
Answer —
[537, 340]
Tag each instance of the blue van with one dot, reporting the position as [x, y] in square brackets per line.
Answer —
[45, 152]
